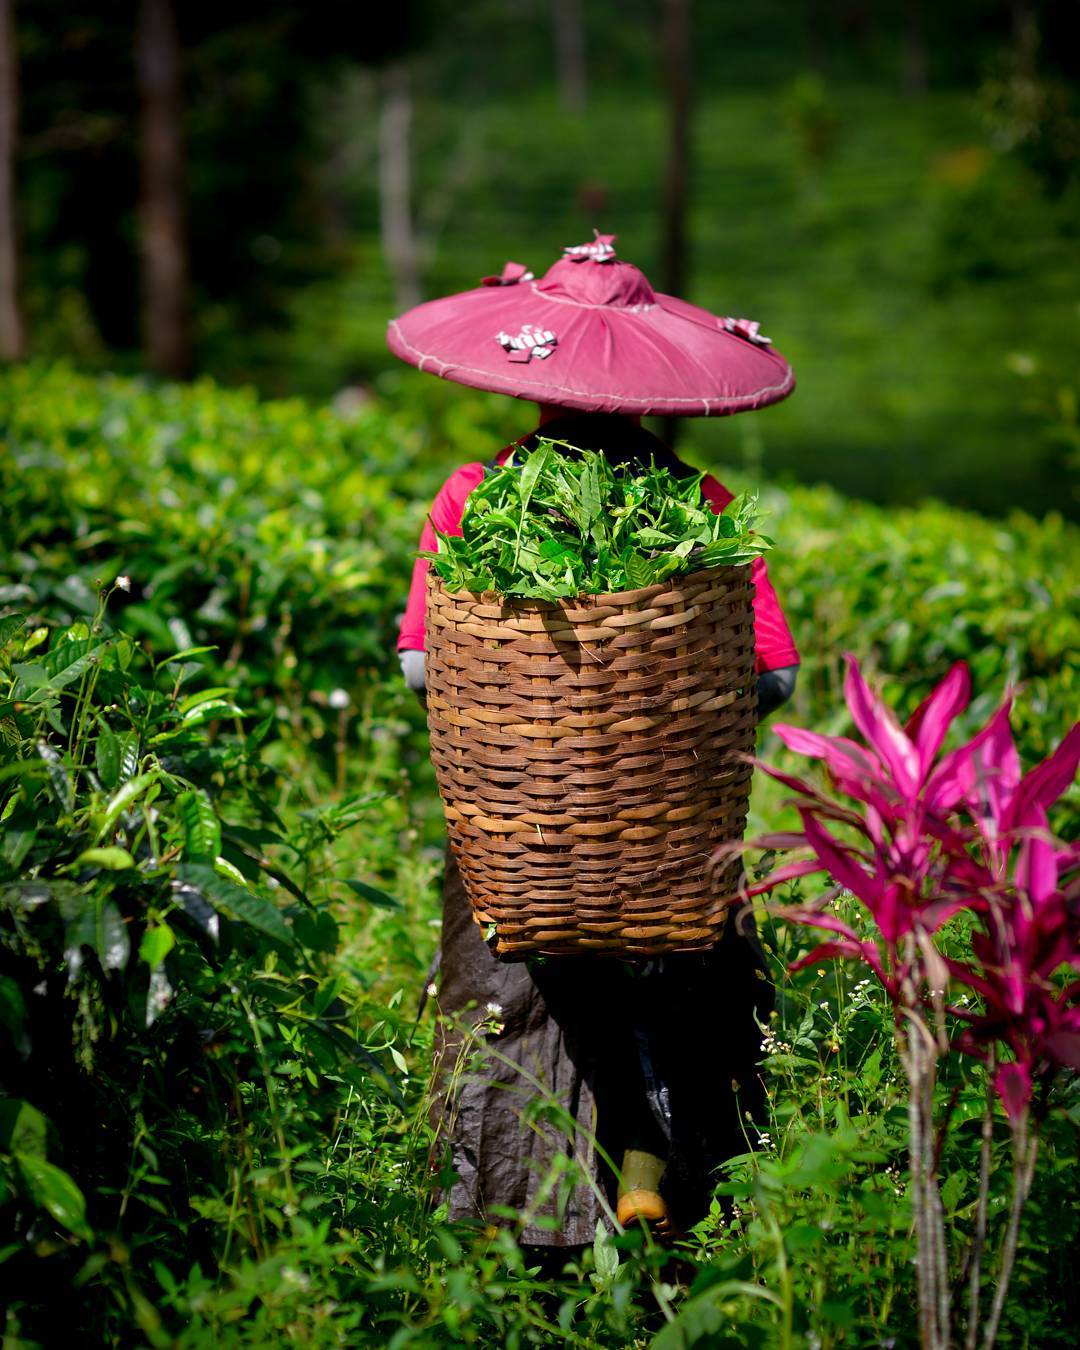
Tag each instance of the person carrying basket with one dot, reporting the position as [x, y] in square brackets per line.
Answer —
[651, 1063]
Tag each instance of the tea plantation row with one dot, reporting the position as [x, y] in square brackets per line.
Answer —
[218, 844]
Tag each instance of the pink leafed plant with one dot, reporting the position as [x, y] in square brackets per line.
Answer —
[918, 834]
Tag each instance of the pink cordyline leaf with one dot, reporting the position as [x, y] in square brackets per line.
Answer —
[789, 872]
[994, 772]
[931, 720]
[839, 863]
[845, 759]
[823, 804]
[1048, 780]
[883, 732]
[954, 779]
[1012, 1082]
[853, 951]
[1036, 870]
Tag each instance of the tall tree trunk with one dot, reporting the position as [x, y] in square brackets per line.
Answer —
[678, 62]
[570, 53]
[1025, 36]
[162, 206]
[395, 186]
[915, 63]
[11, 324]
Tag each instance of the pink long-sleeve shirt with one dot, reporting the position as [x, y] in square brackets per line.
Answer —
[775, 645]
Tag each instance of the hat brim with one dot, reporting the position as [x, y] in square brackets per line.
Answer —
[669, 358]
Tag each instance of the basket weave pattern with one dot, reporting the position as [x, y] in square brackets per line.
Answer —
[587, 757]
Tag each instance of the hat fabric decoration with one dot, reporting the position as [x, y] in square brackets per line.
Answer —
[592, 334]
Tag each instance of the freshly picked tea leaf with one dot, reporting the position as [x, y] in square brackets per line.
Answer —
[559, 522]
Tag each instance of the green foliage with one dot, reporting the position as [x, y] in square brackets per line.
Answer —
[223, 1139]
[565, 522]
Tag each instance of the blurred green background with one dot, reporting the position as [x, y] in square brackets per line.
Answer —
[890, 188]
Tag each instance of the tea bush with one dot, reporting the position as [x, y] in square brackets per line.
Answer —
[216, 902]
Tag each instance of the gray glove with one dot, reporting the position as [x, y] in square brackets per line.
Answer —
[412, 668]
[775, 687]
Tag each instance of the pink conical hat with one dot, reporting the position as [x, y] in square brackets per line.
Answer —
[592, 334]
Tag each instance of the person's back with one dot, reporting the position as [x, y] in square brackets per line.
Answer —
[593, 1057]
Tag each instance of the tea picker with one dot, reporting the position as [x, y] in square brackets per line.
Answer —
[586, 755]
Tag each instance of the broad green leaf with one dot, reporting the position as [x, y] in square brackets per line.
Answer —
[107, 756]
[156, 944]
[208, 712]
[112, 858]
[34, 640]
[12, 1009]
[61, 788]
[10, 624]
[373, 895]
[31, 675]
[23, 1129]
[67, 662]
[124, 798]
[605, 1255]
[129, 755]
[639, 571]
[235, 901]
[203, 696]
[96, 924]
[327, 992]
[650, 538]
[183, 655]
[199, 822]
[54, 1190]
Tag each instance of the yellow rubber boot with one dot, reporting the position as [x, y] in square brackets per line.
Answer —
[640, 1200]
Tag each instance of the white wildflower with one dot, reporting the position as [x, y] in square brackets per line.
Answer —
[432, 989]
[493, 1009]
[338, 698]
[124, 583]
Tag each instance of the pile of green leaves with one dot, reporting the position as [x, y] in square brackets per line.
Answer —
[560, 522]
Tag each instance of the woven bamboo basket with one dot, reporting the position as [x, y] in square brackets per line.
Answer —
[588, 758]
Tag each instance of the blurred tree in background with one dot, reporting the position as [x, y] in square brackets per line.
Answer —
[890, 187]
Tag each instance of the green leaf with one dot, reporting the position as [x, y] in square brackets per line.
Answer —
[23, 1128]
[112, 858]
[605, 1255]
[203, 696]
[61, 788]
[129, 755]
[124, 798]
[235, 901]
[952, 1192]
[183, 655]
[54, 1190]
[156, 944]
[639, 571]
[30, 675]
[67, 661]
[12, 1009]
[95, 923]
[10, 624]
[107, 756]
[209, 711]
[199, 822]
[374, 895]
